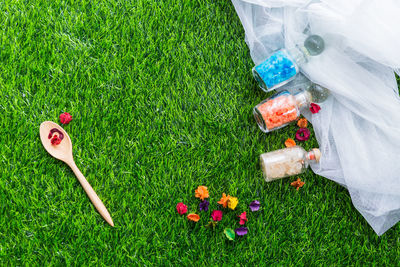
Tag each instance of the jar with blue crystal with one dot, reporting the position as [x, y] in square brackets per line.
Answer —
[283, 65]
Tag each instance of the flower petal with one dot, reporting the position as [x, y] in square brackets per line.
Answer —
[201, 192]
[224, 200]
[204, 205]
[193, 217]
[232, 202]
[216, 215]
[255, 205]
[230, 234]
[181, 208]
[211, 224]
[241, 231]
[303, 134]
[65, 118]
[302, 123]
[290, 142]
[314, 108]
[298, 183]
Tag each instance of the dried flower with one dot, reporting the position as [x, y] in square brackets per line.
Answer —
[243, 218]
[314, 108]
[241, 231]
[193, 217]
[298, 183]
[224, 200]
[302, 123]
[211, 224]
[201, 192]
[55, 140]
[65, 118]
[230, 234]
[232, 202]
[181, 208]
[302, 134]
[255, 205]
[204, 205]
[290, 142]
[216, 215]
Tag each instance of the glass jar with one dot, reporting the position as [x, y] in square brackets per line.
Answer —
[287, 162]
[283, 108]
[282, 66]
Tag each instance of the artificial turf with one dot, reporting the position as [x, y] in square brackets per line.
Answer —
[161, 95]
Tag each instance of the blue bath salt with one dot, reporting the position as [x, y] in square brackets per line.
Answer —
[278, 68]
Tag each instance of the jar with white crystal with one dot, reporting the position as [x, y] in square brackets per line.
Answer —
[287, 162]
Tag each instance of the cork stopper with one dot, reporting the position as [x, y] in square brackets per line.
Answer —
[317, 154]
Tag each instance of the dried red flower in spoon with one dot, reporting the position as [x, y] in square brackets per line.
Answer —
[55, 140]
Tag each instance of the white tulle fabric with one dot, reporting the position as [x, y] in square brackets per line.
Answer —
[358, 127]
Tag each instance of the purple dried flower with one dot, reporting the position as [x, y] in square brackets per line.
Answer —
[204, 205]
[241, 231]
[255, 205]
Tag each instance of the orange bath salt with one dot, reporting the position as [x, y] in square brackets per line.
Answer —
[290, 142]
[302, 123]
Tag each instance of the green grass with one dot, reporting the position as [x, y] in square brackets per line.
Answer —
[161, 94]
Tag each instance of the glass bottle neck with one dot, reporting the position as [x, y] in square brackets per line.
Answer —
[310, 155]
[303, 98]
[299, 54]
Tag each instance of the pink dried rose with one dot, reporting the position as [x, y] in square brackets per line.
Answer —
[181, 208]
[314, 108]
[65, 118]
[216, 215]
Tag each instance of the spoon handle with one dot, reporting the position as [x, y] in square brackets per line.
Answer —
[91, 193]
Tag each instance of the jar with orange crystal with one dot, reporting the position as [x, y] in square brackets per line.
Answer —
[283, 108]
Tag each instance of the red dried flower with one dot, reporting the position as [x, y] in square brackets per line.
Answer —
[65, 118]
[216, 215]
[314, 108]
[181, 208]
[302, 134]
[243, 218]
[55, 140]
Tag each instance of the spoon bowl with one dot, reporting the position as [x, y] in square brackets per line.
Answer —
[63, 151]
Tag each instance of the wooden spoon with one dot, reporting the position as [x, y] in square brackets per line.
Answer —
[63, 152]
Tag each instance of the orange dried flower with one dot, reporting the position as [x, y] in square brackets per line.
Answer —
[224, 200]
[201, 192]
[302, 123]
[193, 217]
[290, 142]
[297, 184]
